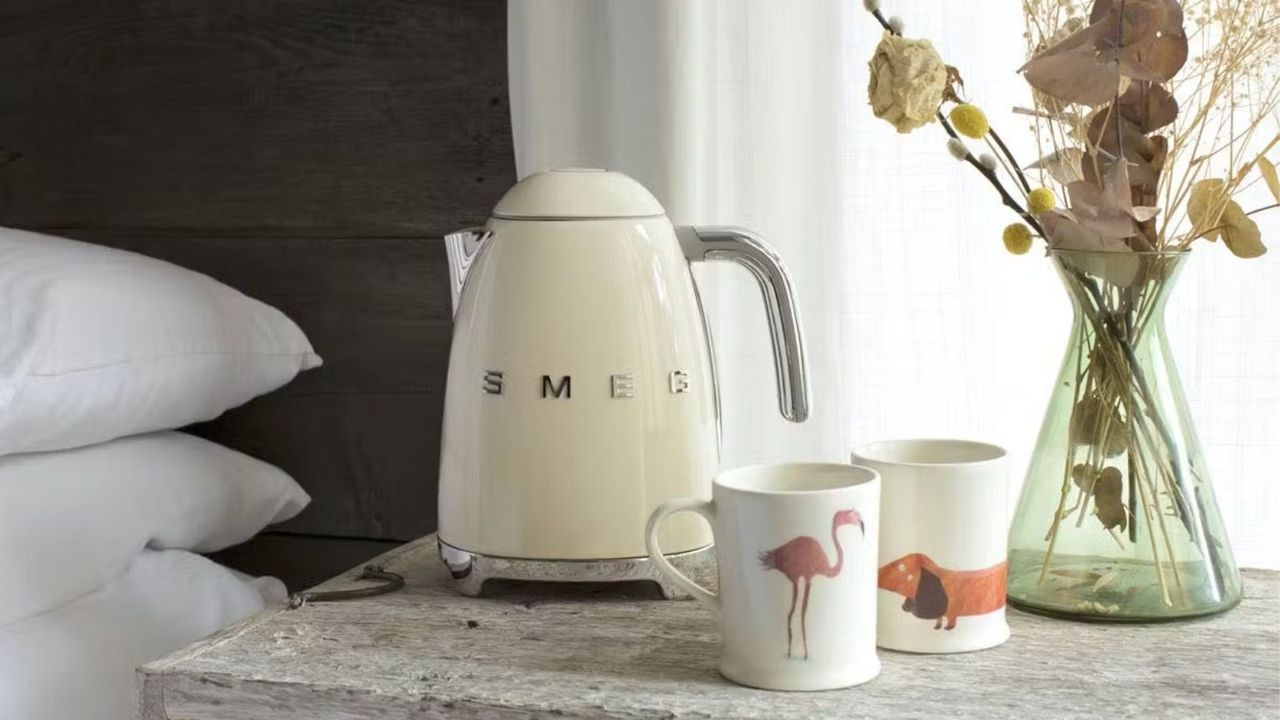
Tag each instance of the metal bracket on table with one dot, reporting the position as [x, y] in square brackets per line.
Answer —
[390, 582]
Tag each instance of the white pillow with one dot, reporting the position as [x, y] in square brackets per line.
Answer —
[71, 520]
[77, 662]
[98, 343]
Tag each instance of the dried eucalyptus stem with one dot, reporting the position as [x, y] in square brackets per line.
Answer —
[1145, 427]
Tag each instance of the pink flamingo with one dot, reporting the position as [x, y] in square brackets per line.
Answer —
[803, 557]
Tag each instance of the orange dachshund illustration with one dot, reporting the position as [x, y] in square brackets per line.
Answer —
[934, 592]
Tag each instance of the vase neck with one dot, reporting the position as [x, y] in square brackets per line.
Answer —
[1129, 287]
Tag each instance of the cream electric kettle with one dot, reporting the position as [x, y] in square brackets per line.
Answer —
[581, 390]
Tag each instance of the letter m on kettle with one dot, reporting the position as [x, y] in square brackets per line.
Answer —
[561, 389]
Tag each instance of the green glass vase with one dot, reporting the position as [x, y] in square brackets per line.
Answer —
[1117, 520]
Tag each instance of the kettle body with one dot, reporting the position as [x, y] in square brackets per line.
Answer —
[581, 391]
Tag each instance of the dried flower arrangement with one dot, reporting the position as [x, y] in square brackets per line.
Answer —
[1150, 145]
[1108, 83]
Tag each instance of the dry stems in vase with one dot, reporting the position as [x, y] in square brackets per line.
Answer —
[1152, 117]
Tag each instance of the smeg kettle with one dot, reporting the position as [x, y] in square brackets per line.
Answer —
[581, 390]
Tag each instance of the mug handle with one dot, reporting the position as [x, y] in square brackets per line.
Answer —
[707, 510]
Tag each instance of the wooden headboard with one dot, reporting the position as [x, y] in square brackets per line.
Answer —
[310, 153]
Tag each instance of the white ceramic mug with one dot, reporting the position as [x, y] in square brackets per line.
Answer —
[796, 549]
[943, 544]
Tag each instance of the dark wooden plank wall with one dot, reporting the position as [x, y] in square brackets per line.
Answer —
[308, 152]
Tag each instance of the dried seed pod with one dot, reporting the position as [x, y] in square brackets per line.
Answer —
[1106, 488]
[1110, 483]
[1081, 476]
[1107, 500]
[1148, 106]
[1097, 423]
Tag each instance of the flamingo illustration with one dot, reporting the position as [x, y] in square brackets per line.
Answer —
[803, 557]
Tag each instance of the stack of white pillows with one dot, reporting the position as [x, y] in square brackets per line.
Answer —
[103, 507]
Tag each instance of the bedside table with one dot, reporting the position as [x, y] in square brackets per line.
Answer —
[427, 652]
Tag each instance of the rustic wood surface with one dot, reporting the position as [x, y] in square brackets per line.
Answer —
[426, 653]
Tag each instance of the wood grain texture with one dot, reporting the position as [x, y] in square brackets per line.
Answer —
[369, 461]
[427, 653]
[372, 117]
[361, 433]
[309, 153]
[301, 561]
[376, 309]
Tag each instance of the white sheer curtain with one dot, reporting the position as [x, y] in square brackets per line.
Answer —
[753, 112]
[730, 118]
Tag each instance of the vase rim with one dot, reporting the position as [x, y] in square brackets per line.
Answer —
[1140, 253]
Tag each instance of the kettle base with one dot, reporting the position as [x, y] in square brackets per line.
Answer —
[470, 570]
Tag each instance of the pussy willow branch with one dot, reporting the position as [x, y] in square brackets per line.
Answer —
[1012, 161]
[990, 175]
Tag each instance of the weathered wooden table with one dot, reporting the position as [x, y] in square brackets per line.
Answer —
[425, 652]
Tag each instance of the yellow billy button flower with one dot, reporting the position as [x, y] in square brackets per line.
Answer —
[1041, 200]
[1017, 238]
[970, 121]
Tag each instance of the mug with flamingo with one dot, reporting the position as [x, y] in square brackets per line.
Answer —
[796, 549]
[943, 539]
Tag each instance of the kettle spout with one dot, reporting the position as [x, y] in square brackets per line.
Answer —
[462, 246]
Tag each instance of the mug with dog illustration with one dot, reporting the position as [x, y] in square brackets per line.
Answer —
[943, 543]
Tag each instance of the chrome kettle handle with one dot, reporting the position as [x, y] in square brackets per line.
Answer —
[462, 247]
[753, 253]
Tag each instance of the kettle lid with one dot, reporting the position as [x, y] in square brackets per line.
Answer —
[578, 194]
